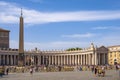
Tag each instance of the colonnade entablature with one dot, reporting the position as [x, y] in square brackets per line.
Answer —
[8, 49]
[114, 48]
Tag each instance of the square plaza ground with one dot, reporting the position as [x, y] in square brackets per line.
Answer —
[78, 75]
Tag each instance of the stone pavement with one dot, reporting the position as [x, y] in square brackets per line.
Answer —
[79, 75]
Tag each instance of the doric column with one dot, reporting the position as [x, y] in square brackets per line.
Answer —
[43, 59]
[33, 59]
[86, 59]
[104, 58]
[36, 58]
[75, 60]
[55, 59]
[7, 59]
[89, 59]
[95, 58]
[78, 59]
[92, 59]
[0, 59]
[52, 59]
[64, 59]
[70, 59]
[11, 60]
[99, 58]
[81, 60]
[61, 59]
[16, 60]
[58, 60]
[49, 60]
[39, 61]
[4, 59]
[67, 59]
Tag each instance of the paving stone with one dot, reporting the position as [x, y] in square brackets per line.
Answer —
[79, 75]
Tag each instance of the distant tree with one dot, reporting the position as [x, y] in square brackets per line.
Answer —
[73, 49]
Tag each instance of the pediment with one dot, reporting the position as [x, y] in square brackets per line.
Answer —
[102, 49]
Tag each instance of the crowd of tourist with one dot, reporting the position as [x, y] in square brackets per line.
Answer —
[97, 70]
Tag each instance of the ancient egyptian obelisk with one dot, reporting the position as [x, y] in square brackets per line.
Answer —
[21, 41]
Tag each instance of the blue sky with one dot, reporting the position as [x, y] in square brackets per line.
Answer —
[62, 24]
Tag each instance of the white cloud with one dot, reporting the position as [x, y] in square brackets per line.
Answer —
[10, 14]
[13, 44]
[36, 1]
[97, 28]
[50, 45]
[108, 40]
[87, 35]
[106, 27]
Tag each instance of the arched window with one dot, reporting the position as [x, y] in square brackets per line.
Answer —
[115, 61]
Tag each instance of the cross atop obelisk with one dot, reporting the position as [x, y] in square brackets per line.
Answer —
[21, 41]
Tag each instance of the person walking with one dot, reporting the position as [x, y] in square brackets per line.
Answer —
[31, 71]
[1, 71]
[7, 70]
[92, 68]
[116, 67]
[95, 71]
[103, 70]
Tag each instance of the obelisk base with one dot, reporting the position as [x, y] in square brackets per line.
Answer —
[21, 60]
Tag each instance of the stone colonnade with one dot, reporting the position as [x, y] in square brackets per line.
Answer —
[102, 58]
[71, 59]
[55, 59]
[6, 59]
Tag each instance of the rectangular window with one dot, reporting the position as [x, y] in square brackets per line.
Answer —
[115, 54]
[110, 55]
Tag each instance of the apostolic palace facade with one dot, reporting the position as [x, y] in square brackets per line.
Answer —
[88, 56]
